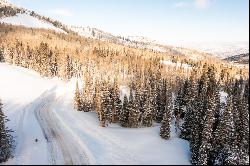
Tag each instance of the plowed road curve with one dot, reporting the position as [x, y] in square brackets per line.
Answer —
[61, 144]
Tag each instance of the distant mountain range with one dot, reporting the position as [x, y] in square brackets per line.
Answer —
[242, 58]
[221, 50]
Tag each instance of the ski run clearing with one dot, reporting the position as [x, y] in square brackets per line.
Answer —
[26, 20]
[42, 108]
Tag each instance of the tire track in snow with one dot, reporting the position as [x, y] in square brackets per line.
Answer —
[111, 143]
[61, 143]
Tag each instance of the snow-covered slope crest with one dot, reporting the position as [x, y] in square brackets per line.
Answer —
[142, 39]
[132, 41]
[5, 3]
[27, 20]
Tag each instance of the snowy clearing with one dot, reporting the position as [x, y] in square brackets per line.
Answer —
[29, 21]
[41, 108]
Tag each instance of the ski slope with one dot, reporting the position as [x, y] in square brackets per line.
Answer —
[27, 20]
[41, 108]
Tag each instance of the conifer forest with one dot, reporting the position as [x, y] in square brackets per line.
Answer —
[89, 100]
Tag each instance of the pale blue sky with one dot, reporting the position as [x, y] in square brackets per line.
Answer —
[163, 20]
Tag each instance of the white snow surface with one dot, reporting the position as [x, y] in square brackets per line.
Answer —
[42, 108]
[26, 20]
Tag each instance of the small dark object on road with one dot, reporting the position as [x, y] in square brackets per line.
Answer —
[36, 140]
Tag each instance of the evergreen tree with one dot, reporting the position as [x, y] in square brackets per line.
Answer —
[6, 139]
[106, 103]
[198, 116]
[1, 55]
[99, 106]
[116, 104]
[186, 128]
[161, 95]
[123, 117]
[210, 107]
[165, 124]
[77, 99]
[147, 116]
[244, 128]
[134, 113]
[236, 100]
[226, 148]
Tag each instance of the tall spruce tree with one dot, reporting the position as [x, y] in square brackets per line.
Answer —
[166, 122]
[198, 116]
[186, 128]
[226, 147]
[134, 112]
[116, 102]
[6, 139]
[244, 128]
[77, 99]
[161, 96]
[210, 107]
[123, 117]
[147, 116]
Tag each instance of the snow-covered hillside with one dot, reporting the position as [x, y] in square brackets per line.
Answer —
[5, 3]
[133, 41]
[141, 39]
[41, 108]
[27, 20]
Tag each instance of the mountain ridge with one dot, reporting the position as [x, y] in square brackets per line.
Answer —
[139, 42]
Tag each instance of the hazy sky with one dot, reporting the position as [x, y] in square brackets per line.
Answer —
[163, 20]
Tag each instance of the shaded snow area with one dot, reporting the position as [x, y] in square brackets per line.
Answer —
[26, 20]
[40, 108]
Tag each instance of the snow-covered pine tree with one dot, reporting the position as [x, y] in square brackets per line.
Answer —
[177, 108]
[210, 107]
[117, 104]
[123, 117]
[206, 140]
[101, 106]
[77, 99]
[1, 55]
[106, 102]
[160, 100]
[198, 116]
[69, 67]
[141, 98]
[244, 128]
[147, 116]
[6, 139]
[134, 113]
[166, 122]
[153, 98]
[186, 128]
[118, 108]
[236, 99]
[110, 105]
[225, 140]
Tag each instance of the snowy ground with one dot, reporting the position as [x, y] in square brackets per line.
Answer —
[41, 108]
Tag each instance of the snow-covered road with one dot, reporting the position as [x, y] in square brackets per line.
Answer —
[62, 145]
